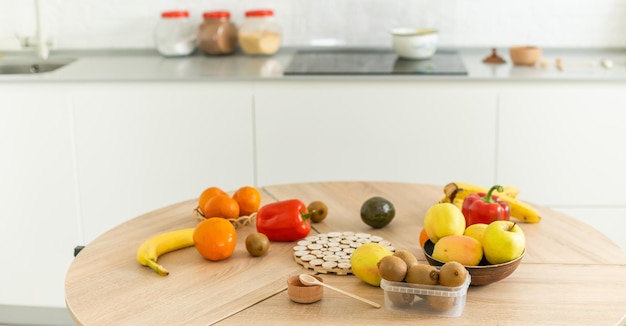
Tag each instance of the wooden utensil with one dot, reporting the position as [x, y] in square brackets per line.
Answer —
[307, 279]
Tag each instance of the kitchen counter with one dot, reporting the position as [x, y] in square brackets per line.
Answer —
[570, 274]
[148, 65]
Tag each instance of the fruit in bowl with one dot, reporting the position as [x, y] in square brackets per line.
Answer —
[503, 241]
[443, 219]
[503, 244]
[461, 248]
[482, 274]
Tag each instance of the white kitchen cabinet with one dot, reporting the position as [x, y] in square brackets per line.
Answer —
[562, 144]
[393, 131]
[143, 146]
[40, 223]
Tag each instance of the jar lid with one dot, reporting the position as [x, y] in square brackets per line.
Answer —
[216, 14]
[259, 13]
[175, 14]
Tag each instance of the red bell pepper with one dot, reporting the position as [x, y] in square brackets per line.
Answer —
[287, 220]
[485, 208]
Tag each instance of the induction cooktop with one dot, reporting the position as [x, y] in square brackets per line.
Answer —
[372, 62]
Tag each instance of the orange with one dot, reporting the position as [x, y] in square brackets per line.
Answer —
[207, 194]
[221, 206]
[215, 238]
[249, 200]
[423, 238]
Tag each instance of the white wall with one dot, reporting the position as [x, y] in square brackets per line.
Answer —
[88, 24]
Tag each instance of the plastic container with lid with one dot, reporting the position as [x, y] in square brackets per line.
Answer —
[431, 299]
[217, 34]
[175, 34]
[260, 34]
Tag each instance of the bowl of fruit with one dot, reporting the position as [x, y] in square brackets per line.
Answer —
[480, 237]
[482, 274]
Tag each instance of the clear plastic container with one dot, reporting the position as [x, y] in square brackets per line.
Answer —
[260, 34]
[217, 34]
[175, 34]
[431, 299]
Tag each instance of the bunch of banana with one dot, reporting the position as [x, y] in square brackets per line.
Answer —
[455, 192]
[158, 245]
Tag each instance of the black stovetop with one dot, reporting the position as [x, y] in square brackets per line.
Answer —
[372, 62]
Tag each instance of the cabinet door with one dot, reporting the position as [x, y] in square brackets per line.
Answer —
[40, 227]
[391, 131]
[141, 147]
[564, 146]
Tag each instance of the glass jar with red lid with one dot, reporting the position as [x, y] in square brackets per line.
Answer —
[260, 33]
[175, 34]
[217, 34]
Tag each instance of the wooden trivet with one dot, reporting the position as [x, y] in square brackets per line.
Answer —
[331, 252]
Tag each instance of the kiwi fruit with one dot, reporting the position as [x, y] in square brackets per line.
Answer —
[407, 256]
[400, 299]
[257, 244]
[392, 268]
[422, 274]
[452, 274]
[318, 211]
[441, 304]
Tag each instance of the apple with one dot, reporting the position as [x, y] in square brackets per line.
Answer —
[503, 241]
[443, 219]
[476, 231]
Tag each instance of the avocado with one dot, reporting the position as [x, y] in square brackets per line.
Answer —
[377, 212]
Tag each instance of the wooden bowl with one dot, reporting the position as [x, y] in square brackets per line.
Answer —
[525, 55]
[482, 274]
[301, 293]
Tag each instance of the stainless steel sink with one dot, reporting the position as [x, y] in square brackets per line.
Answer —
[31, 66]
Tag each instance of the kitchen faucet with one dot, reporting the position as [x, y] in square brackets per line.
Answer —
[42, 46]
[39, 42]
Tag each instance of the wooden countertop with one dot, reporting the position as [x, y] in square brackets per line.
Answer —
[571, 274]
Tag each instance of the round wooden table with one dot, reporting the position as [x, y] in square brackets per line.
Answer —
[571, 273]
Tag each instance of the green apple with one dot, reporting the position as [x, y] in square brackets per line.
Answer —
[503, 241]
[476, 231]
[443, 219]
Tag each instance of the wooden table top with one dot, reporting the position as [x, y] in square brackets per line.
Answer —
[571, 273]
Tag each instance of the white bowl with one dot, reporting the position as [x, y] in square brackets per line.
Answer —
[414, 43]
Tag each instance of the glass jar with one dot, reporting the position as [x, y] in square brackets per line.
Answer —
[175, 34]
[217, 34]
[259, 33]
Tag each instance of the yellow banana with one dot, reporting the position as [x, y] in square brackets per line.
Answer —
[458, 202]
[511, 191]
[158, 245]
[519, 209]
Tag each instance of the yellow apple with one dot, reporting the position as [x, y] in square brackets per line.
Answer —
[460, 248]
[364, 261]
[503, 241]
[443, 219]
[476, 231]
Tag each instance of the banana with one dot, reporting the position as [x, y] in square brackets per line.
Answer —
[451, 188]
[458, 202]
[519, 209]
[511, 191]
[158, 245]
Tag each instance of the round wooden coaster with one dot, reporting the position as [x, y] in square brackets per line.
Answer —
[331, 252]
